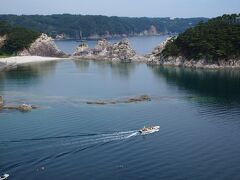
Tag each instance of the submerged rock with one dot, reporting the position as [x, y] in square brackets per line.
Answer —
[99, 102]
[22, 107]
[43, 46]
[117, 52]
[138, 99]
[118, 101]
[25, 107]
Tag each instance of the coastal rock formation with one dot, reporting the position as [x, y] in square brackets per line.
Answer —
[181, 61]
[124, 100]
[202, 63]
[82, 50]
[117, 52]
[43, 46]
[156, 58]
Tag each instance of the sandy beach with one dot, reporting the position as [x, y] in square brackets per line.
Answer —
[28, 59]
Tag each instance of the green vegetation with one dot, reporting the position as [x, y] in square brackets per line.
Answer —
[219, 38]
[101, 25]
[17, 39]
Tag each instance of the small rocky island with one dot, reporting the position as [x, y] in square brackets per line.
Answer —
[117, 52]
[213, 44]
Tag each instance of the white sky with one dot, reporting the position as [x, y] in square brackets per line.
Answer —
[132, 8]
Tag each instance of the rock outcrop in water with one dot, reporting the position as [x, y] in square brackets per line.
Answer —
[43, 46]
[21, 107]
[202, 63]
[117, 52]
[124, 100]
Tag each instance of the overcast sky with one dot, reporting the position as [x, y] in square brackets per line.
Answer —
[133, 8]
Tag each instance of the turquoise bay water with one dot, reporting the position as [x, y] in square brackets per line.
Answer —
[198, 111]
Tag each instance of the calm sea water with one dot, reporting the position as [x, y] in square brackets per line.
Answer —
[142, 45]
[198, 111]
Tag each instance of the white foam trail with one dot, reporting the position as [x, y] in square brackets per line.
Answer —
[133, 134]
[103, 138]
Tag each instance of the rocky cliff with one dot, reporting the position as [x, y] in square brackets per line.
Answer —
[43, 46]
[157, 58]
[117, 52]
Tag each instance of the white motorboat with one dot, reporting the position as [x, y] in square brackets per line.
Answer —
[149, 130]
[4, 176]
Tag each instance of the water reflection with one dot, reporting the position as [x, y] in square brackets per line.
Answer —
[83, 66]
[27, 75]
[223, 84]
[29, 72]
[123, 70]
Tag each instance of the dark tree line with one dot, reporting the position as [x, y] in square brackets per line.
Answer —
[219, 38]
[90, 24]
[17, 39]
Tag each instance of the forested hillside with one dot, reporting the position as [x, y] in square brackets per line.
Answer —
[219, 38]
[14, 39]
[88, 25]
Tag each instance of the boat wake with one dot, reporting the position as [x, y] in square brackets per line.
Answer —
[48, 149]
[101, 138]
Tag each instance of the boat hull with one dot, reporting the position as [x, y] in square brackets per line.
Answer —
[5, 176]
[153, 130]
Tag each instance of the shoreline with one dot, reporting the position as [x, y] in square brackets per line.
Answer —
[19, 60]
[183, 62]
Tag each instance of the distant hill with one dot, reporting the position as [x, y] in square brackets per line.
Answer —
[219, 38]
[71, 26]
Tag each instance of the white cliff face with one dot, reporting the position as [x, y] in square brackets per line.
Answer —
[201, 63]
[43, 46]
[154, 57]
[122, 50]
[181, 61]
[117, 52]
